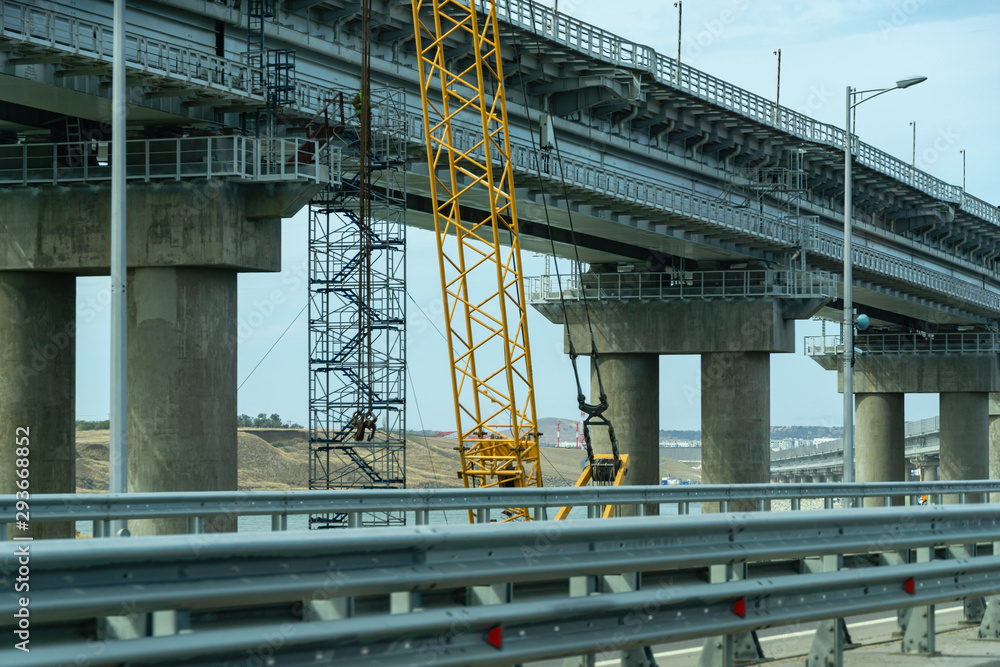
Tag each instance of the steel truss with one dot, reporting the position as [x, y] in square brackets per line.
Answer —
[342, 373]
[482, 280]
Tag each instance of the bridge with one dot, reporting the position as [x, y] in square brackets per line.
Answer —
[709, 218]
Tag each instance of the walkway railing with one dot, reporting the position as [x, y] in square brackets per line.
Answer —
[250, 582]
[692, 285]
[243, 158]
[51, 29]
[103, 508]
[907, 343]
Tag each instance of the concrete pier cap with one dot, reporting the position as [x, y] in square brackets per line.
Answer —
[187, 240]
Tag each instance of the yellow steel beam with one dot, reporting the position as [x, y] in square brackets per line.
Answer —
[482, 282]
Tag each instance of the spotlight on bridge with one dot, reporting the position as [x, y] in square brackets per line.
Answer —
[863, 322]
[910, 81]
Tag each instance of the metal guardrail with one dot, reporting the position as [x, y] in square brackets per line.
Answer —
[245, 158]
[103, 508]
[907, 343]
[246, 573]
[692, 285]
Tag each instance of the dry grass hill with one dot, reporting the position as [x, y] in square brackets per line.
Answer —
[278, 459]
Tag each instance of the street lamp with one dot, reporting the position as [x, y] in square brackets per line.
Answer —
[854, 98]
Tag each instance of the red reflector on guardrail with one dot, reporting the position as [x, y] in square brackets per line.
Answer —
[910, 586]
[495, 637]
[740, 608]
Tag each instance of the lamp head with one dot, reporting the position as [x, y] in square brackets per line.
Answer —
[910, 81]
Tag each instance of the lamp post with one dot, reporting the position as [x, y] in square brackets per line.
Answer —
[860, 96]
[680, 9]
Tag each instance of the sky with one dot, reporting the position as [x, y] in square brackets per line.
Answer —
[825, 45]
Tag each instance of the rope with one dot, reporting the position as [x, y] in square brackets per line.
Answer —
[594, 412]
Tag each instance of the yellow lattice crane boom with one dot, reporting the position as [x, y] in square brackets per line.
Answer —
[482, 281]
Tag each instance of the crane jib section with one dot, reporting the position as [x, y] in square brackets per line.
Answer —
[482, 280]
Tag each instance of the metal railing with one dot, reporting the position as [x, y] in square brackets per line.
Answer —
[255, 579]
[607, 47]
[55, 30]
[692, 285]
[907, 343]
[103, 508]
[234, 157]
[908, 272]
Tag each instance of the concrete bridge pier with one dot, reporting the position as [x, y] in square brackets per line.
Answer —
[994, 417]
[880, 441]
[964, 439]
[963, 381]
[735, 338]
[633, 383]
[736, 419]
[186, 243]
[38, 389]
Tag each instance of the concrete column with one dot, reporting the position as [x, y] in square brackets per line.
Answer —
[735, 420]
[632, 383]
[929, 473]
[880, 442]
[995, 442]
[964, 438]
[37, 387]
[182, 386]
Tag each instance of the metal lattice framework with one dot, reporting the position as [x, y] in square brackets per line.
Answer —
[341, 321]
[482, 282]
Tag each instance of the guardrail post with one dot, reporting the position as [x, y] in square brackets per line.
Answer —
[195, 525]
[483, 515]
[580, 587]
[973, 608]
[628, 583]
[354, 519]
[889, 559]
[404, 602]
[683, 509]
[331, 609]
[918, 637]
[279, 522]
[721, 651]
[990, 626]
[421, 517]
[827, 649]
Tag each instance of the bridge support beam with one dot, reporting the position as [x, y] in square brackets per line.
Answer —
[735, 339]
[964, 382]
[38, 388]
[880, 441]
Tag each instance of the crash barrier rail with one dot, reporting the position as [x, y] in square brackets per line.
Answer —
[101, 509]
[235, 157]
[689, 285]
[223, 596]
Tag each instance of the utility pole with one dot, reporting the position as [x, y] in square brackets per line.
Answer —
[118, 458]
[963, 169]
[678, 70]
[913, 150]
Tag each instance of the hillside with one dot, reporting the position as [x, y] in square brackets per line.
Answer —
[278, 459]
